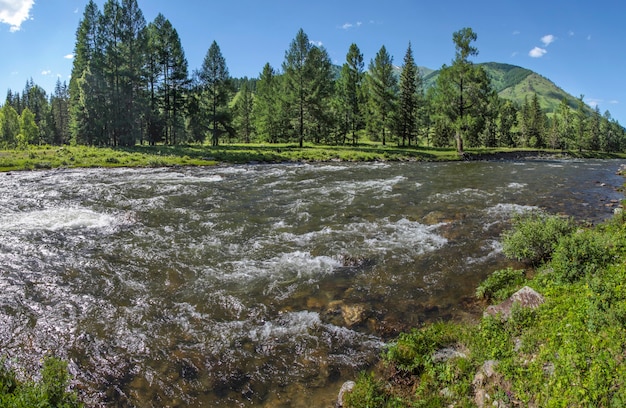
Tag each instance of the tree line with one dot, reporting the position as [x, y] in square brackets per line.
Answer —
[131, 84]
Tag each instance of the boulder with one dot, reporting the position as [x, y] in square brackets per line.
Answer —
[526, 297]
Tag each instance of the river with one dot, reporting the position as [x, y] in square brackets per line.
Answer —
[259, 285]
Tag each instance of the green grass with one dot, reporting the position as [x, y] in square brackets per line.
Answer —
[570, 352]
[49, 157]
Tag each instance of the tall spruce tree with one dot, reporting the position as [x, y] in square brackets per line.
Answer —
[297, 84]
[267, 105]
[168, 79]
[382, 85]
[462, 89]
[216, 90]
[243, 107]
[87, 55]
[410, 82]
[350, 93]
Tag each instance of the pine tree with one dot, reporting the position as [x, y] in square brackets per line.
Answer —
[243, 111]
[87, 56]
[267, 105]
[297, 84]
[410, 82]
[382, 85]
[319, 72]
[350, 90]
[462, 89]
[216, 90]
[59, 106]
[168, 79]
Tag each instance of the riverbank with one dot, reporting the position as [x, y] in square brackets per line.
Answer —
[553, 336]
[50, 157]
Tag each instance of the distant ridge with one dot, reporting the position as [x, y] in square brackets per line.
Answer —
[516, 84]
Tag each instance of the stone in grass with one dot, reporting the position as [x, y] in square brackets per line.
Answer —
[526, 297]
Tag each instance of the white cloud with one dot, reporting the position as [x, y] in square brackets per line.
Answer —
[15, 12]
[548, 39]
[348, 26]
[537, 52]
[571, 33]
[516, 32]
[614, 102]
[69, 56]
[46, 72]
[316, 43]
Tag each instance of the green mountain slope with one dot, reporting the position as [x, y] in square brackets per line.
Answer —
[517, 83]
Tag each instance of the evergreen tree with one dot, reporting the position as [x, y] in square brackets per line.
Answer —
[350, 92]
[243, 111]
[319, 72]
[168, 78]
[581, 124]
[87, 55]
[216, 88]
[594, 129]
[382, 85]
[462, 89]
[410, 82]
[565, 125]
[267, 105]
[59, 106]
[297, 84]
[507, 120]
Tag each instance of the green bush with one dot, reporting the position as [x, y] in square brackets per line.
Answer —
[50, 392]
[500, 284]
[367, 393]
[579, 254]
[534, 236]
[413, 351]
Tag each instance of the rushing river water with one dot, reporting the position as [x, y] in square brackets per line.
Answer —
[264, 285]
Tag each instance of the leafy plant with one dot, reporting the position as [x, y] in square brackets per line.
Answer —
[500, 284]
[534, 236]
[584, 252]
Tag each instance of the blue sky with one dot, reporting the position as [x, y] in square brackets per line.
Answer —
[578, 45]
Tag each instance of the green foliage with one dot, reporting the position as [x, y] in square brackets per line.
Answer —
[50, 392]
[412, 351]
[581, 253]
[535, 236]
[367, 393]
[500, 284]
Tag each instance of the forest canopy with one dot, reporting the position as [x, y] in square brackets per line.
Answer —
[131, 84]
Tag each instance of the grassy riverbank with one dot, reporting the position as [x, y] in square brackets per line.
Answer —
[49, 157]
[568, 352]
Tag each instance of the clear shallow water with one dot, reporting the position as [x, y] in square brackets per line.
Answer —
[255, 285]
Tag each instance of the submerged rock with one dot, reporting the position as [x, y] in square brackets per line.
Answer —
[526, 297]
[346, 388]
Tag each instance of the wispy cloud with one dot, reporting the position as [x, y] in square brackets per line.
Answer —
[570, 33]
[316, 43]
[15, 12]
[516, 32]
[614, 102]
[69, 56]
[46, 72]
[348, 26]
[537, 52]
[548, 39]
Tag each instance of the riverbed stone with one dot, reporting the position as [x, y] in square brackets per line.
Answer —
[346, 388]
[354, 314]
[526, 297]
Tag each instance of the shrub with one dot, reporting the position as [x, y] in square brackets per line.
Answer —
[413, 351]
[534, 236]
[580, 254]
[500, 284]
[368, 392]
[50, 392]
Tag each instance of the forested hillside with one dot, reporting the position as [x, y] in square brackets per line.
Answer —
[131, 84]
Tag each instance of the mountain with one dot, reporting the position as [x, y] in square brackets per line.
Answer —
[517, 83]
